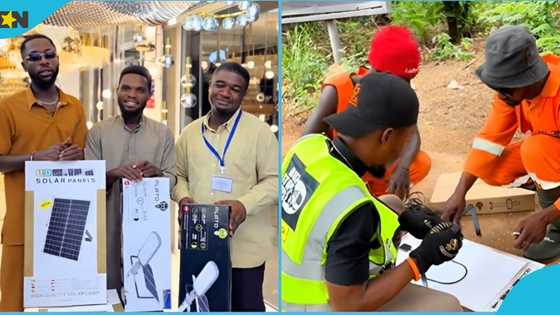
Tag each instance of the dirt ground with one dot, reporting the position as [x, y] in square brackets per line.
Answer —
[448, 121]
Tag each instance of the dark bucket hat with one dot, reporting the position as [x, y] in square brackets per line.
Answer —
[512, 59]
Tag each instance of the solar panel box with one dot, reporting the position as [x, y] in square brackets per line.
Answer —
[205, 270]
[146, 251]
[64, 245]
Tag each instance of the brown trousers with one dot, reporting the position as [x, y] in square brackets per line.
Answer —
[11, 278]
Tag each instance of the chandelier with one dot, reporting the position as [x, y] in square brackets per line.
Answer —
[245, 12]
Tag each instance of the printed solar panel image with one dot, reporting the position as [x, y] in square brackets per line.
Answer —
[66, 228]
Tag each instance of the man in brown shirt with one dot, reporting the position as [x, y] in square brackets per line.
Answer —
[39, 123]
[133, 147]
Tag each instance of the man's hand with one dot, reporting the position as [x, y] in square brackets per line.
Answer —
[418, 220]
[237, 213]
[399, 184]
[148, 169]
[71, 153]
[533, 227]
[50, 154]
[183, 205]
[128, 171]
[454, 208]
[441, 244]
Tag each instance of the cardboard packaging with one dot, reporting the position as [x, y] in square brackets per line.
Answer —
[146, 230]
[205, 274]
[487, 199]
[64, 253]
[113, 305]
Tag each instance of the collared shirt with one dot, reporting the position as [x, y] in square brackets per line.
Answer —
[111, 140]
[25, 128]
[252, 162]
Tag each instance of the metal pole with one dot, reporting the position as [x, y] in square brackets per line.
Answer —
[335, 41]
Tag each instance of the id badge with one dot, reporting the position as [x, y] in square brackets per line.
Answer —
[222, 183]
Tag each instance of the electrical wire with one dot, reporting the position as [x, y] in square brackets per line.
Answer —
[456, 281]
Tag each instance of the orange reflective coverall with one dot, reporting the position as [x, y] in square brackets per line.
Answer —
[499, 162]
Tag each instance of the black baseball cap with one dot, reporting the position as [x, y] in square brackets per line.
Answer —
[383, 101]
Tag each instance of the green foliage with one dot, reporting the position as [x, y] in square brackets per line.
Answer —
[541, 17]
[355, 36]
[303, 65]
[423, 18]
[444, 49]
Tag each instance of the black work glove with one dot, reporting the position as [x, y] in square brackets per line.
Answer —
[418, 220]
[441, 244]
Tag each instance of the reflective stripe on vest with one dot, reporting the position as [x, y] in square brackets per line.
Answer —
[341, 191]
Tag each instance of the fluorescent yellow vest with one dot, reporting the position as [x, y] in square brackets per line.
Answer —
[318, 193]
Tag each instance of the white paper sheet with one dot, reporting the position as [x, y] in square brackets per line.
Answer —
[490, 273]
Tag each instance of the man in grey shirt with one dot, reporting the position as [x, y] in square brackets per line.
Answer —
[133, 147]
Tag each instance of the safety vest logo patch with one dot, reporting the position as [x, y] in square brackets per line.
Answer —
[297, 188]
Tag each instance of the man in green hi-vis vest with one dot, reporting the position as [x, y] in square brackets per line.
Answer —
[338, 242]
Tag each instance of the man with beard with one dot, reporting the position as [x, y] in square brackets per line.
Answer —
[247, 169]
[527, 99]
[339, 243]
[40, 123]
[133, 146]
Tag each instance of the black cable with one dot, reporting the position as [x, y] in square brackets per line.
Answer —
[453, 282]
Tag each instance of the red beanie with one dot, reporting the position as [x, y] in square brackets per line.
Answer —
[394, 50]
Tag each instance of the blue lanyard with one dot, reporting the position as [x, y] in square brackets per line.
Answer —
[221, 159]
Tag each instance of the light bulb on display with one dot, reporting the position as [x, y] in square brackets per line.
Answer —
[188, 100]
[89, 124]
[188, 81]
[262, 117]
[228, 23]
[138, 38]
[254, 81]
[99, 105]
[268, 64]
[106, 93]
[242, 20]
[218, 64]
[187, 26]
[251, 64]
[260, 97]
[193, 23]
[253, 12]
[197, 23]
[274, 128]
[243, 5]
[210, 24]
[167, 61]
[269, 74]
[204, 64]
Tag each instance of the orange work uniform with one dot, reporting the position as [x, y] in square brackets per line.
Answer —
[25, 128]
[346, 90]
[501, 163]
